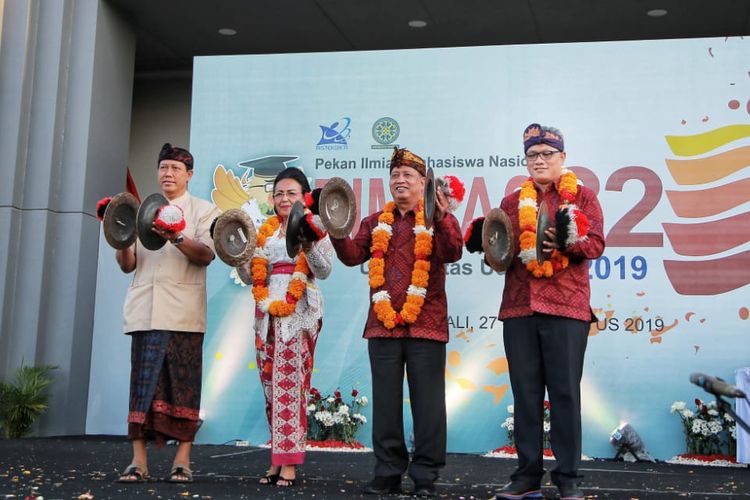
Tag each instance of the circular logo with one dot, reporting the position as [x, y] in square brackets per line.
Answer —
[385, 130]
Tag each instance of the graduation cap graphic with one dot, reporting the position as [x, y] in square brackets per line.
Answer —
[252, 191]
[267, 166]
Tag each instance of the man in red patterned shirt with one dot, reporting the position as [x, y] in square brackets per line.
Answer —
[546, 313]
[407, 324]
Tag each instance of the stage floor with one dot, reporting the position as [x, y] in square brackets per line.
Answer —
[66, 468]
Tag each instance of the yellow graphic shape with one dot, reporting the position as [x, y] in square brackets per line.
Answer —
[656, 334]
[251, 366]
[498, 365]
[497, 391]
[466, 384]
[454, 358]
[709, 169]
[218, 355]
[691, 145]
[228, 192]
[465, 334]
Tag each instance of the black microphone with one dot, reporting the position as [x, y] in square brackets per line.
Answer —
[715, 385]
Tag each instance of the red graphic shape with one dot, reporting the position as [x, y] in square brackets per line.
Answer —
[733, 104]
[709, 169]
[705, 202]
[708, 238]
[709, 277]
[744, 313]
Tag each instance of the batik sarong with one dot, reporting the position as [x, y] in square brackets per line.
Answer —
[165, 385]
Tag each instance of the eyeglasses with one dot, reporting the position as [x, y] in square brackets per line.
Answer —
[289, 195]
[546, 155]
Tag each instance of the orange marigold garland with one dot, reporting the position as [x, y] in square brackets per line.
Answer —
[259, 273]
[527, 215]
[420, 276]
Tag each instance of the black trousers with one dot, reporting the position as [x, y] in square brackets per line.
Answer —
[546, 351]
[424, 361]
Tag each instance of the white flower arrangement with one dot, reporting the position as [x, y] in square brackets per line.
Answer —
[331, 419]
[709, 430]
[509, 425]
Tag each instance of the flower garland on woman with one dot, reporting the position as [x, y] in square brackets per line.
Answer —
[259, 273]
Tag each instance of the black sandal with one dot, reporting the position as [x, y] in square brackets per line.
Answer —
[269, 479]
[289, 482]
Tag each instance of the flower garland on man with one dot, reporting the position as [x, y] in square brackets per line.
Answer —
[545, 310]
[407, 324]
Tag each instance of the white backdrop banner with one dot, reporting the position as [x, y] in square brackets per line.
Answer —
[660, 130]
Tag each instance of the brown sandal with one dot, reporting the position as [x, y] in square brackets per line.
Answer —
[133, 474]
[180, 474]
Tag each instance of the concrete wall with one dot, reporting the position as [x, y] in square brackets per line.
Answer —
[66, 73]
[161, 113]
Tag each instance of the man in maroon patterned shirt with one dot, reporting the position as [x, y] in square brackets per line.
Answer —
[407, 324]
[546, 313]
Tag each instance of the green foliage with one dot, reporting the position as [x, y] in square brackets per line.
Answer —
[25, 400]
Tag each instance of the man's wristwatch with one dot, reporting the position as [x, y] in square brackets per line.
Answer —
[178, 241]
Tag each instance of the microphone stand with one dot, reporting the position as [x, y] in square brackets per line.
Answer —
[727, 407]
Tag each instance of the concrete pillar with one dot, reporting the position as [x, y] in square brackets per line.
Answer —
[66, 78]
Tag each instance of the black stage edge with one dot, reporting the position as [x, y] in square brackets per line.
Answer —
[65, 468]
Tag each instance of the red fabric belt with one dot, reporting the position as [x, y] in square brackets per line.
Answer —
[282, 268]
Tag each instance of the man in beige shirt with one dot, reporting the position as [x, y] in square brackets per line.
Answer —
[165, 315]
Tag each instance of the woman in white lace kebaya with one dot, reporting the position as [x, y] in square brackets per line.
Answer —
[288, 318]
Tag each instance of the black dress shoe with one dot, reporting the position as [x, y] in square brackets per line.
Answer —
[382, 485]
[570, 492]
[518, 491]
[424, 489]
